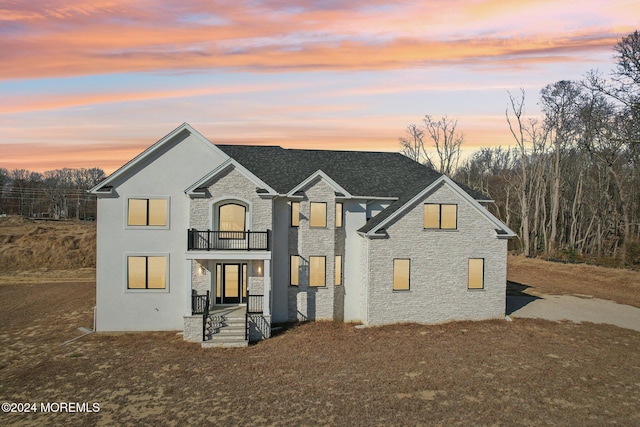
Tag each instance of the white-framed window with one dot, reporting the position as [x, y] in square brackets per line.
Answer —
[317, 271]
[318, 214]
[147, 272]
[338, 270]
[339, 214]
[231, 221]
[147, 212]
[476, 273]
[401, 274]
[440, 216]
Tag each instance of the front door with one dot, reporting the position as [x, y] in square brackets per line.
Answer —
[231, 284]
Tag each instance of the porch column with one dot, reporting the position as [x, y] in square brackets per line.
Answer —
[266, 308]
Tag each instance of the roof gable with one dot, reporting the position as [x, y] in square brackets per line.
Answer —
[261, 187]
[180, 133]
[406, 202]
[319, 174]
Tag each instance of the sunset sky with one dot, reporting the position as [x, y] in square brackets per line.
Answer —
[92, 83]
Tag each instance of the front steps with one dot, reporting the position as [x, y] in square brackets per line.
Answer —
[226, 330]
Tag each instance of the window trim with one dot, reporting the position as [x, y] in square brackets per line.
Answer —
[297, 284]
[167, 225]
[340, 217]
[325, 214]
[167, 281]
[469, 274]
[291, 214]
[440, 205]
[393, 281]
[324, 285]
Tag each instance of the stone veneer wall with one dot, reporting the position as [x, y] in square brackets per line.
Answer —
[200, 276]
[439, 268]
[231, 185]
[192, 331]
[307, 303]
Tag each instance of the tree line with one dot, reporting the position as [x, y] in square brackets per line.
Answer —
[56, 194]
[570, 184]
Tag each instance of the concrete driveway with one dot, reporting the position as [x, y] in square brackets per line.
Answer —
[575, 308]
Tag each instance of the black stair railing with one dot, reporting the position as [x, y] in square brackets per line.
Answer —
[198, 302]
[205, 318]
[255, 304]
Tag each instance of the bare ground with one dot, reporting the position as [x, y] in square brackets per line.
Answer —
[553, 278]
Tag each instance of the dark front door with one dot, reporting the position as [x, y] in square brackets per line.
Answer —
[232, 288]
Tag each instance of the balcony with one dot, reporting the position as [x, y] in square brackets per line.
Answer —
[209, 240]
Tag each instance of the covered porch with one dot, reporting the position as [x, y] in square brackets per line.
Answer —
[230, 298]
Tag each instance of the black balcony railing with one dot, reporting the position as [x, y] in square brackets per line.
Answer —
[208, 240]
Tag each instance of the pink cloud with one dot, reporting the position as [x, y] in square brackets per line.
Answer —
[126, 36]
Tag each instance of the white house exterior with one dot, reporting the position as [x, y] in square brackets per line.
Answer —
[288, 235]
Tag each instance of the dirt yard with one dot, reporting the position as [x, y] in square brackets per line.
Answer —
[525, 372]
[553, 278]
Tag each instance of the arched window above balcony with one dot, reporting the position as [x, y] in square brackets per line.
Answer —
[232, 217]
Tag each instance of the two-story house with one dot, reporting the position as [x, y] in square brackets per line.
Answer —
[218, 240]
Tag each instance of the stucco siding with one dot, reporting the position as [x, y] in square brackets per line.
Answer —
[355, 212]
[120, 309]
[280, 261]
[439, 268]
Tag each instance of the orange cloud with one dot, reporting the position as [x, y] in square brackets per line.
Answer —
[40, 157]
[126, 36]
[21, 104]
[347, 55]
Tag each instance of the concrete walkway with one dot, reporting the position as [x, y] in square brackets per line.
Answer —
[575, 308]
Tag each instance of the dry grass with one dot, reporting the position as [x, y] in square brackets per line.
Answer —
[544, 277]
[36, 245]
[525, 372]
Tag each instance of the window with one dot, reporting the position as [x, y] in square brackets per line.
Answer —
[338, 270]
[317, 271]
[338, 215]
[440, 216]
[294, 261]
[401, 269]
[476, 273]
[295, 214]
[318, 217]
[231, 218]
[146, 272]
[147, 212]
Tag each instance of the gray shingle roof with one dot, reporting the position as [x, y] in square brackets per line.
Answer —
[362, 173]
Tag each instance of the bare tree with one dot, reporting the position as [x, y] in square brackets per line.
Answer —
[559, 104]
[413, 145]
[446, 141]
[518, 132]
